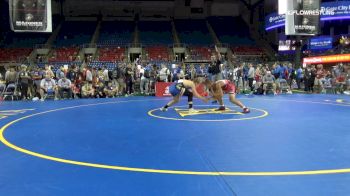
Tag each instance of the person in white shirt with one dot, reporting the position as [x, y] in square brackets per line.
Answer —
[48, 86]
[65, 85]
[164, 73]
[88, 75]
[105, 76]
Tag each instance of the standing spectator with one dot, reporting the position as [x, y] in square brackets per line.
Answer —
[65, 85]
[105, 75]
[129, 79]
[48, 72]
[312, 78]
[299, 77]
[145, 77]
[258, 76]
[307, 78]
[164, 73]
[89, 76]
[319, 79]
[121, 79]
[251, 75]
[24, 79]
[72, 74]
[216, 66]
[37, 75]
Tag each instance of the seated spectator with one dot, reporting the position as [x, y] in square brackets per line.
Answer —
[267, 80]
[60, 73]
[87, 91]
[47, 87]
[110, 90]
[347, 92]
[99, 90]
[65, 85]
[340, 83]
[11, 76]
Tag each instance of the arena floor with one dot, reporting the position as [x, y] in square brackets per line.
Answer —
[287, 145]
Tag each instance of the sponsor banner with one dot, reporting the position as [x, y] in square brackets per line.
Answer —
[30, 15]
[162, 89]
[336, 10]
[321, 43]
[340, 58]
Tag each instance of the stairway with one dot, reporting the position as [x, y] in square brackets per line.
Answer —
[174, 32]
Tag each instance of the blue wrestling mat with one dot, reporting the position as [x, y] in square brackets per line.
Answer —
[288, 145]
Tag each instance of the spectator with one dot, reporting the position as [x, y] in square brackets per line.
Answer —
[145, 78]
[269, 80]
[48, 86]
[24, 79]
[99, 90]
[216, 66]
[11, 76]
[105, 75]
[251, 74]
[87, 91]
[88, 75]
[121, 79]
[110, 90]
[60, 73]
[299, 77]
[129, 79]
[48, 72]
[65, 85]
[319, 79]
[37, 75]
[164, 73]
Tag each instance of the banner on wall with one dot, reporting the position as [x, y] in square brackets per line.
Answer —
[321, 43]
[340, 58]
[30, 15]
[162, 89]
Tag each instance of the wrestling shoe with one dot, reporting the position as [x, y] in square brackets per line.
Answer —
[163, 109]
[221, 108]
[191, 110]
[245, 110]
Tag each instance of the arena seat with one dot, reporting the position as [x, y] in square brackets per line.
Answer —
[200, 53]
[158, 53]
[155, 32]
[111, 54]
[14, 54]
[99, 64]
[74, 33]
[116, 33]
[194, 32]
[64, 54]
[226, 29]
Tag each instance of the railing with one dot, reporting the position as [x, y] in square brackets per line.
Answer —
[135, 45]
[43, 46]
[179, 45]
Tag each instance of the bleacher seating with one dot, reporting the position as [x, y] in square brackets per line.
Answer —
[200, 53]
[64, 54]
[25, 40]
[75, 33]
[116, 33]
[194, 32]
[57, 65]
[247, 50]
[99, 64]
[14, 54]
[158, 53]
[155, 32]
[111, 54]
[231, 30]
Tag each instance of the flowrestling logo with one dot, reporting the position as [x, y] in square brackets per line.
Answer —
[317, 12]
